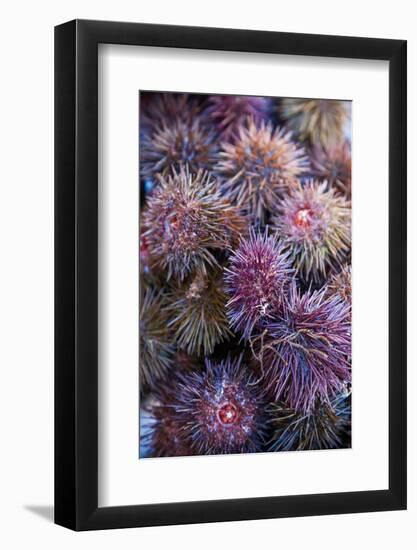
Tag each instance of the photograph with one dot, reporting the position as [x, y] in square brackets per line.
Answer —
[209, 275]
[245, 308]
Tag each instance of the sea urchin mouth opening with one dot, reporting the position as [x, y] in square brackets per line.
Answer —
[303, 217]
[227, 413]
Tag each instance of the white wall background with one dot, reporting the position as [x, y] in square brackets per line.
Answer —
[26, 273]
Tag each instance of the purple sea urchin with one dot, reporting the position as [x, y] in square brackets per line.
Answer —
[319, 120]
[176, 145]
[229, 112]
[314, 223]
[326, 426]
[258, 166]
[186, 219]
[258, 273]
[156, 348]
[196, 312]
[305, 352]
[334, 164]
[215, 411]
[221, 409]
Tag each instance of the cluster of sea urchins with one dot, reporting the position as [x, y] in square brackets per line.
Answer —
[244, 253]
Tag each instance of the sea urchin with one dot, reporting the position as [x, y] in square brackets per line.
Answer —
[156, 348]
[319, 120]
[221, 408]
[196, 313]
[341, 284]
[326, 426]
[257, 276]
[185, 221]
[215, 411]
[305, 352]
[177, 145]
[334, 164]
[314, 223]
[229, 112]
[157, 108]
[258, 166]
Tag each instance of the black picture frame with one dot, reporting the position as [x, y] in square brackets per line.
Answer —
[76, 271]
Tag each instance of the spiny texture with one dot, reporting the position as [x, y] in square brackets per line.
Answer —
[229, 112]
[144, 256]
[156, 348]
[256, 279]
[319, 120]
[196, 313]
[314, 223]
[186, 220]
[305, 352]
[214, 411]
[157, 109]
[220, 409]
[244, 259]
[326, 426]
[341, 284]
[176, 145]
[162, 433]
[333, 164]
[258, 166]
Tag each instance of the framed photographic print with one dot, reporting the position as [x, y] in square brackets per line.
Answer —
[230, 275]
